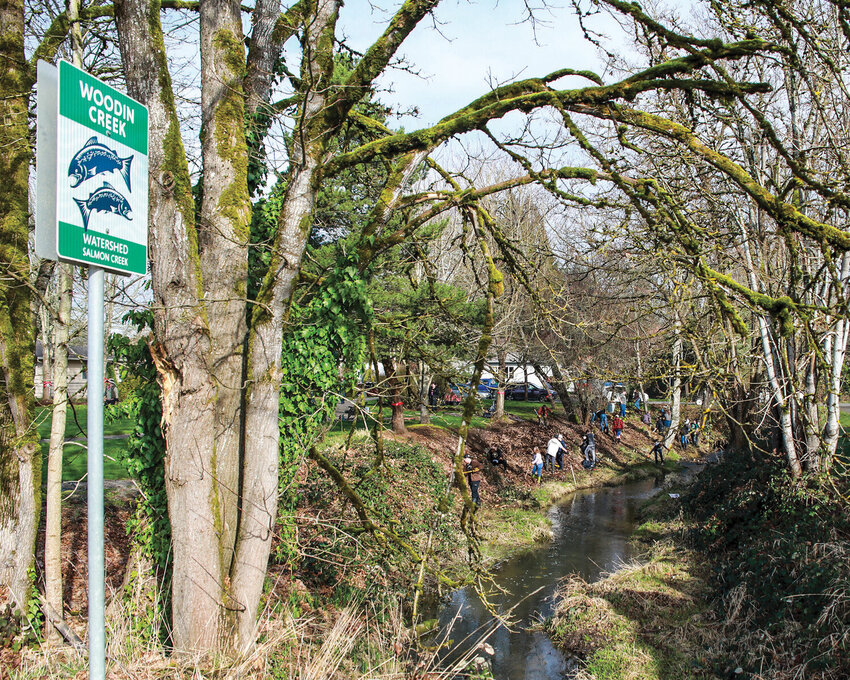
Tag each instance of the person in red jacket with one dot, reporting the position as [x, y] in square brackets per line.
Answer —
[617, 425]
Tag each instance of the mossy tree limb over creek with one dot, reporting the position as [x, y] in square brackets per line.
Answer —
[217, 346]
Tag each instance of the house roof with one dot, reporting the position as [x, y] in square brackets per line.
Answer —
[75, 352]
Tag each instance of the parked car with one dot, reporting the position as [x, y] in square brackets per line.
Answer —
[518, 392]
[483, 391]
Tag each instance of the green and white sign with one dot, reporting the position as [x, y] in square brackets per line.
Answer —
[92, 172]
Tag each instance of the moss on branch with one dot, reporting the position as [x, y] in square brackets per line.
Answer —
[528, 95]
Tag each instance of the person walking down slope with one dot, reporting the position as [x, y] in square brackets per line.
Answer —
[617, 426]
[543, 414]
[622, 406]
[536, 464]
[658, 452]
[588, 449]
[603, 421]
[555, 451]
[473, 478]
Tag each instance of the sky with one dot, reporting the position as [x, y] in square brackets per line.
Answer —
[471, 46]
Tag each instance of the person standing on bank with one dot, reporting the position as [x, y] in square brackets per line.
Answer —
[658, 452]
[432, 396]
[588, 449]
[555, 448]
[603, 421]
[536, 464]
[473, 478]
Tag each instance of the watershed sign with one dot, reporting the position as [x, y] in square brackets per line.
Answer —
[92, 172]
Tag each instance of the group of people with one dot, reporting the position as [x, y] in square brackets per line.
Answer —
[617, 423]
[556, 447]
[554, 458]
[689, 433]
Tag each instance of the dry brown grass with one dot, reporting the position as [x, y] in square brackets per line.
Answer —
[356, 642]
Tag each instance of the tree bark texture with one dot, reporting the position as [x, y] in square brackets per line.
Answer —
[182, 339]
[53, 502]
[424, 386]
[20, 462]
[676, 388]
[500, 385]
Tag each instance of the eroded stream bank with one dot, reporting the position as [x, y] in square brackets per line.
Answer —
[591, 533]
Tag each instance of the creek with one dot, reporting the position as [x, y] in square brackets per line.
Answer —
[591, 532]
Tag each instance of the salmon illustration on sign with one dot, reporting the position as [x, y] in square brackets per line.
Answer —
[95, 158]
[105, 199]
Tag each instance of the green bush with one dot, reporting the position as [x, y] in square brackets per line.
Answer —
[785, 545]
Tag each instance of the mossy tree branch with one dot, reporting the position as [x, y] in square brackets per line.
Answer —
[531, 94]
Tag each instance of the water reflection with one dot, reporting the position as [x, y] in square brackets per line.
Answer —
[591, 533]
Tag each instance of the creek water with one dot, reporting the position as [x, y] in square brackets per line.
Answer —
[591, 533]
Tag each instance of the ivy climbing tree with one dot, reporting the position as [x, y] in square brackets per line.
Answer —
[218, 346]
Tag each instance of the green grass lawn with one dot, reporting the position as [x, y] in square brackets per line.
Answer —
[448, 417]
[74, 459]
[75, 424]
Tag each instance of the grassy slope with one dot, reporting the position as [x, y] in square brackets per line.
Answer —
[512, 518]
[405, 492]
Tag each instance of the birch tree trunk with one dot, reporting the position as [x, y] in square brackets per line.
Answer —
[644, 402]
[811, 419]
[53, 503]
[836, 350]
[676, 391]
[772, 363]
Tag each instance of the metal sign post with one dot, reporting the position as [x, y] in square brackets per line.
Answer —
[92, 209]
[97, 567]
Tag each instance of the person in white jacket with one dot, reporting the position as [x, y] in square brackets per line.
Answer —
[555, 447]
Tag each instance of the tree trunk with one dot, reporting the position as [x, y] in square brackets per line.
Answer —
[424, 385]
[644, 402]
[835, 351]
[46, 333]
[676, 391]
[772, 363]
[53, 505]
[394, 389]
[811, 419]
[182, 338]
[20, 459]
[525, 378]
[224, 218]
[499, 413]
[210, 360]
